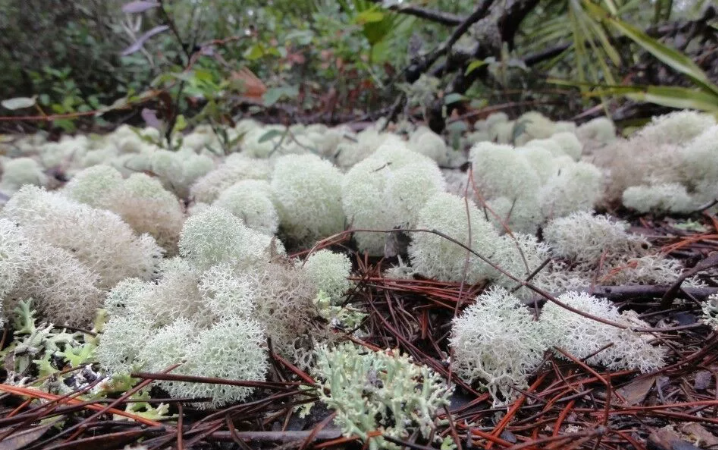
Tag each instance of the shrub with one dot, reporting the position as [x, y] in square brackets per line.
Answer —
[179, 170]
[676, 128]
[522, 216]
[553, 147]
[638, 162]
[226, 295]
[13, 255]
[502, 133]
[367, 142]
[175, 295]
[700, 161]
[285, 308]
[140, 200]
[533, 125]
[253, 148]
[426, 142]
[409, 188]
[520, 255]
[64, 290]
[148, 208]
[165, 347]
[569, 144]
[126, 298]
[496, 118]
[120, 344]
[648, 269]
[541, 160]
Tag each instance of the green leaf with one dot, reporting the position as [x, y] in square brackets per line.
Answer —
[76, 356]
[369, 16]
[273, 95]
[121, 102]
[672, 96]
[671, 57]
[94, 102]
[44, 365]
[187, 77]
[303, 37]
[611, 6]
[475, 65]
[180, 123]
[68, 103]
[457, 127]
[678, 97]
[254, 52]
[66, 124]
[274, 51]
[381, 52]
[203, 75]
[269, 135]
[453, 98]
[19, 102]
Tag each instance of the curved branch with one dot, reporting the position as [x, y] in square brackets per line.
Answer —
[424, 13]
[421, 65]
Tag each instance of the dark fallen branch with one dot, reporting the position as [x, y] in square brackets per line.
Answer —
[214, 380]
[424, 13]
[672, 292]
[638, 292]
[276, 436]
[532, 60]
[422, 64]
[498, 27]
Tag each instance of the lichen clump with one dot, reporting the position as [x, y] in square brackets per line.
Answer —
[228, 249]
[373, 391]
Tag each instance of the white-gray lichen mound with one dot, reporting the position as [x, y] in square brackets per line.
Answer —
[437, 257]
[497, 342]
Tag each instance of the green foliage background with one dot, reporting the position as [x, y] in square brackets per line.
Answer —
[69, 53]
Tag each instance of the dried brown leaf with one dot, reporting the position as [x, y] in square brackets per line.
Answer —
[636, 391]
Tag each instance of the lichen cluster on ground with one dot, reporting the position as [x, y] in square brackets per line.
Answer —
[273, 264]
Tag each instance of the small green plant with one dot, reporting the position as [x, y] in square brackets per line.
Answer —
[376, 393]
[43, 349]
